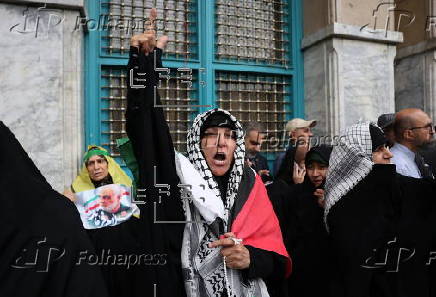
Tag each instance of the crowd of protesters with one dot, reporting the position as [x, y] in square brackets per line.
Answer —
[354, 219]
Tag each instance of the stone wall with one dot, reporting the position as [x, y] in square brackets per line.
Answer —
[349, 76]
[41, 83]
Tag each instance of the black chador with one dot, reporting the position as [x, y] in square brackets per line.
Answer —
[42, 234]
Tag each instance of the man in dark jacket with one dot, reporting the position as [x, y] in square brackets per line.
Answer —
[254, 137]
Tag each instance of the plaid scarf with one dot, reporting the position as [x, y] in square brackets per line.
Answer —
[350, 162]
[197, 159]
[203, 268]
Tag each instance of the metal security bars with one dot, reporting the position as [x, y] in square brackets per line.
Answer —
[123, 18]
[174, 93]
[113, 107]
[245, 57]
[256, 97]
[177, 95]
[252, 31]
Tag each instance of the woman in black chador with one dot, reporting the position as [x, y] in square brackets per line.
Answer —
[300, 208]
[42, 234]
[381, 225]
[223, 238]
[309, 237]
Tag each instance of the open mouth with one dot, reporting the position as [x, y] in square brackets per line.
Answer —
[219, 158]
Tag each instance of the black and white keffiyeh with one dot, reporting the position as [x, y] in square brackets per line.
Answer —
[203, 268]
[197, 159]
[350, 162]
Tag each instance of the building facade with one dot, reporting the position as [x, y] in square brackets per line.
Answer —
[338, 61]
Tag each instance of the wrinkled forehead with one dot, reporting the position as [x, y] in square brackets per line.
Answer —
[96, 158]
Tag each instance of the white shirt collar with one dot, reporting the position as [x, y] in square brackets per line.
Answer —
[404, 149]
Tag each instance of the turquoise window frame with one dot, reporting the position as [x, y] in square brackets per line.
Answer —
[95, 60]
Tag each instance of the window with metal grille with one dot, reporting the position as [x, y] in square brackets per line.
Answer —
[252, 31]
[121, 18]
[175, 95]
[244, 55]
[256, 98]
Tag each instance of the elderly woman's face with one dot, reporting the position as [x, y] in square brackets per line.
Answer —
[97, 168]
[218, 146]
[382, 155]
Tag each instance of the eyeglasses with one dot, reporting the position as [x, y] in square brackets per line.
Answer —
[429, 126]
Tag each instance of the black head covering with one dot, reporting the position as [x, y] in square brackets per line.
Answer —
[217, 119]
[319, 154]
[378, 137]
[222, 120]
[37, 220]
[386, 120]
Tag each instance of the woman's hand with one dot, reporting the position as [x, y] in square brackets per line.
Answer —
[263, 172]
[319, 193]
[70, 195]
[146, 42]
[237, 255]
[299, 173]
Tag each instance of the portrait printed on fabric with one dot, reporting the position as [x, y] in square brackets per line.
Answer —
[107, 205]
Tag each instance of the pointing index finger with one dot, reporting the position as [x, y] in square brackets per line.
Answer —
[153, 14]
[151, 20]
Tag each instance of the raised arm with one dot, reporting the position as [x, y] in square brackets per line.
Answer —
[145, 124]
[152, 146]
